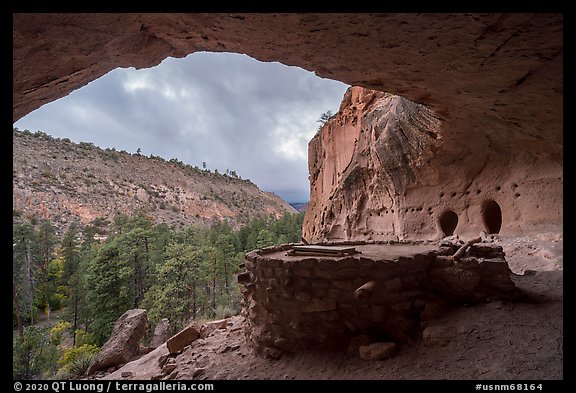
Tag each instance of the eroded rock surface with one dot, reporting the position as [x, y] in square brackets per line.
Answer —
[507, 67]
[386, 168]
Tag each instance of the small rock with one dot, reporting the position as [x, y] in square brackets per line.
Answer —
[224, 348]
[432, 309]
[303, 296]
[143, 350]
[272, 353]
[169, 366]
[438, 335]
[126, 374]
[203, 361]
[198, 372]
[495, 305]
[162, 360]
[377, 351]
[209, 327]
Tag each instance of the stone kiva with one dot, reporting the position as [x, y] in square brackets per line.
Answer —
[292, 303]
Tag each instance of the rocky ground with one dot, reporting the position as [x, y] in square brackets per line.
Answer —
[495, 340]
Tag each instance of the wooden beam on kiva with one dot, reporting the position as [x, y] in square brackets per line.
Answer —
[331, 251]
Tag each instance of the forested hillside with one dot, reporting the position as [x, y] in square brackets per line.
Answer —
[62, 181]
[180, 274]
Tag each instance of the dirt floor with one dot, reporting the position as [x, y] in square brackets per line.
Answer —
[494, 340]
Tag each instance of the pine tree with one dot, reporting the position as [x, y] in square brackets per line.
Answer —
[46, 239]
[109, 289]
[72, 276]
[135, 252]
[69, 251]
[46, 285]
[176, 294]
[32, 354]
[265, 238]
[24, 271]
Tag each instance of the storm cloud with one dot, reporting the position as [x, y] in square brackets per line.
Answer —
[228, 110]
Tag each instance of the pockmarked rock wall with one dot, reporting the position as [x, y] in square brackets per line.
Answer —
[386, 168]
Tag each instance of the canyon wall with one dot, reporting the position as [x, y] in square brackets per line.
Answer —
[62, 181]
[384, 168]
[485, 92]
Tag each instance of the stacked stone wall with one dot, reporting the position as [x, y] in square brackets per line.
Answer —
[293, 303]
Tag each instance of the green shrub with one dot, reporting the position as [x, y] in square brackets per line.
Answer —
[82, 337]
[77, 359]
[80, 364]
[57, 332]
[63, 374]
[224, 312]
[33, 356]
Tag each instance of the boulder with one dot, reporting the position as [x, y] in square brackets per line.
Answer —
[438, 335]
[123, 343]
[181, 339]
[161, 333]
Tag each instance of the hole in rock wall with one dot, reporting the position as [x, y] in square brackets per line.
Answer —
[492, 216]
[448, 222]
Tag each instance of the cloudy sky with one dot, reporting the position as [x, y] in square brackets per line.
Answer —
[228, 110]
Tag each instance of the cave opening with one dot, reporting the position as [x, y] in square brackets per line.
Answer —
[218, 112]
[492, 216]
[448, 222]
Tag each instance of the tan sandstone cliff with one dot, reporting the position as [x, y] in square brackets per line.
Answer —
[382, 168]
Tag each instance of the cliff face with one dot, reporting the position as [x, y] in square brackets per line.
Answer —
[382, 168]
[493, 81]
[63, 181]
